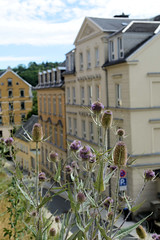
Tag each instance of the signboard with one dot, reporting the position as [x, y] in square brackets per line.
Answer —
[122, 173]
[123, 184]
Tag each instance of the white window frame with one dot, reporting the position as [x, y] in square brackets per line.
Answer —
[89, 94]
[68, 95]
[82, 95]
[97, 57]
[91, 131]
[83, 129]
[81, 61]
[118, 95]
[111, 50]
[88, 59]
[75, 126]
[73, 95]
[120, 47]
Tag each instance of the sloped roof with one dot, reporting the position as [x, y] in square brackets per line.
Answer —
[28, 125]
[110, 24]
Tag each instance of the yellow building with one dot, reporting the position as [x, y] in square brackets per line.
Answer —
[15, 101]
[51, 113]
[26, 154]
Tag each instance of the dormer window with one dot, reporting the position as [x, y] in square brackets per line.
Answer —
[120, 48]
[111, 50]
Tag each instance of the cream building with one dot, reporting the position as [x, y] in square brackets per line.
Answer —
[128, 84]
[133, 75]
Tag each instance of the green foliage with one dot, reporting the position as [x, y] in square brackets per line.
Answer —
[30, 73]
[34, 110]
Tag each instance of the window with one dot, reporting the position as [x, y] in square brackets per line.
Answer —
[42, 155]
[111, 50]
[89, 95]
[49, 105]
[55, 136]
[11, 119]
[120, 48]
[67, 63]
[10, 93]
[81, 61]
[54, 106]
[0, 107]
[60, 106]
[73, 95]
[1, 133]
[118, 95]
[9, 82]
[22, 93]
[46, 77]
[23, 117]
[97, 92]
[68, 95]
[40, 103]
[88, 59]
[44, 105]
[83, 129]
[97, 57]
[69, 125]
[1, 120]
[50, 134]
[22, 105]
[10, 106]
[75, 126]
[82, 95]
[91, 135]
[61, 138]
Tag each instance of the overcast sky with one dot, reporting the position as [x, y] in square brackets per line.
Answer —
[44, 30]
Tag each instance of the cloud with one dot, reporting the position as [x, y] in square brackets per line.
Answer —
[52, 22]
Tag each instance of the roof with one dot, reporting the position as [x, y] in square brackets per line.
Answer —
[110, 24]
[141, 27]
[28, 125]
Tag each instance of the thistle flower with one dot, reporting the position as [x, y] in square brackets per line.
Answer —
[42, 176]
[155, 236]
[85, 153]
[112, 168]
[9, 141]
[120, 154]
[68, 169]
[57, 219]
[52, 232]
[97, 107]
[53, 156]
[120, 132]
[107, 118]
[141, 232]
[92, 159]
[81, 197]
[37, 133]
[107, 202]
[149, 175]
[74, 165]
[75, 145]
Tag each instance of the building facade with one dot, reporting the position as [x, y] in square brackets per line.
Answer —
[26, 154]
[15, 101]
[117, 62]
[51, 113]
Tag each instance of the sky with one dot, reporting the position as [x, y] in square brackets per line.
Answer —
[45, 30]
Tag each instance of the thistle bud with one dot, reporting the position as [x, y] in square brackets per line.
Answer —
[57, 219]
[81, 197]
[85, 153]
[74, 165]
[75, 145]
[52, 232]
[120, 154]
[37, 133]
[42, 176]
[97, 107]
[34, 214]
[9, 141]
[149, 175]
[53, 156]
[110, 216]
[120, 132]
[107, 119]
[141, 232]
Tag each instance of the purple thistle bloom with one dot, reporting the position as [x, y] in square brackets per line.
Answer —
[149, 175]
[9, 141]
[97, 107]
[53, 156]
[155, 236]
[42, 176]
[85, 153]
[92, 159]
[75, 145]
[68, 169]
[113, 167]
[107, 202]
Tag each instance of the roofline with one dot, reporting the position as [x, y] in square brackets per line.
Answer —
[134, 21]
[10, 70]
